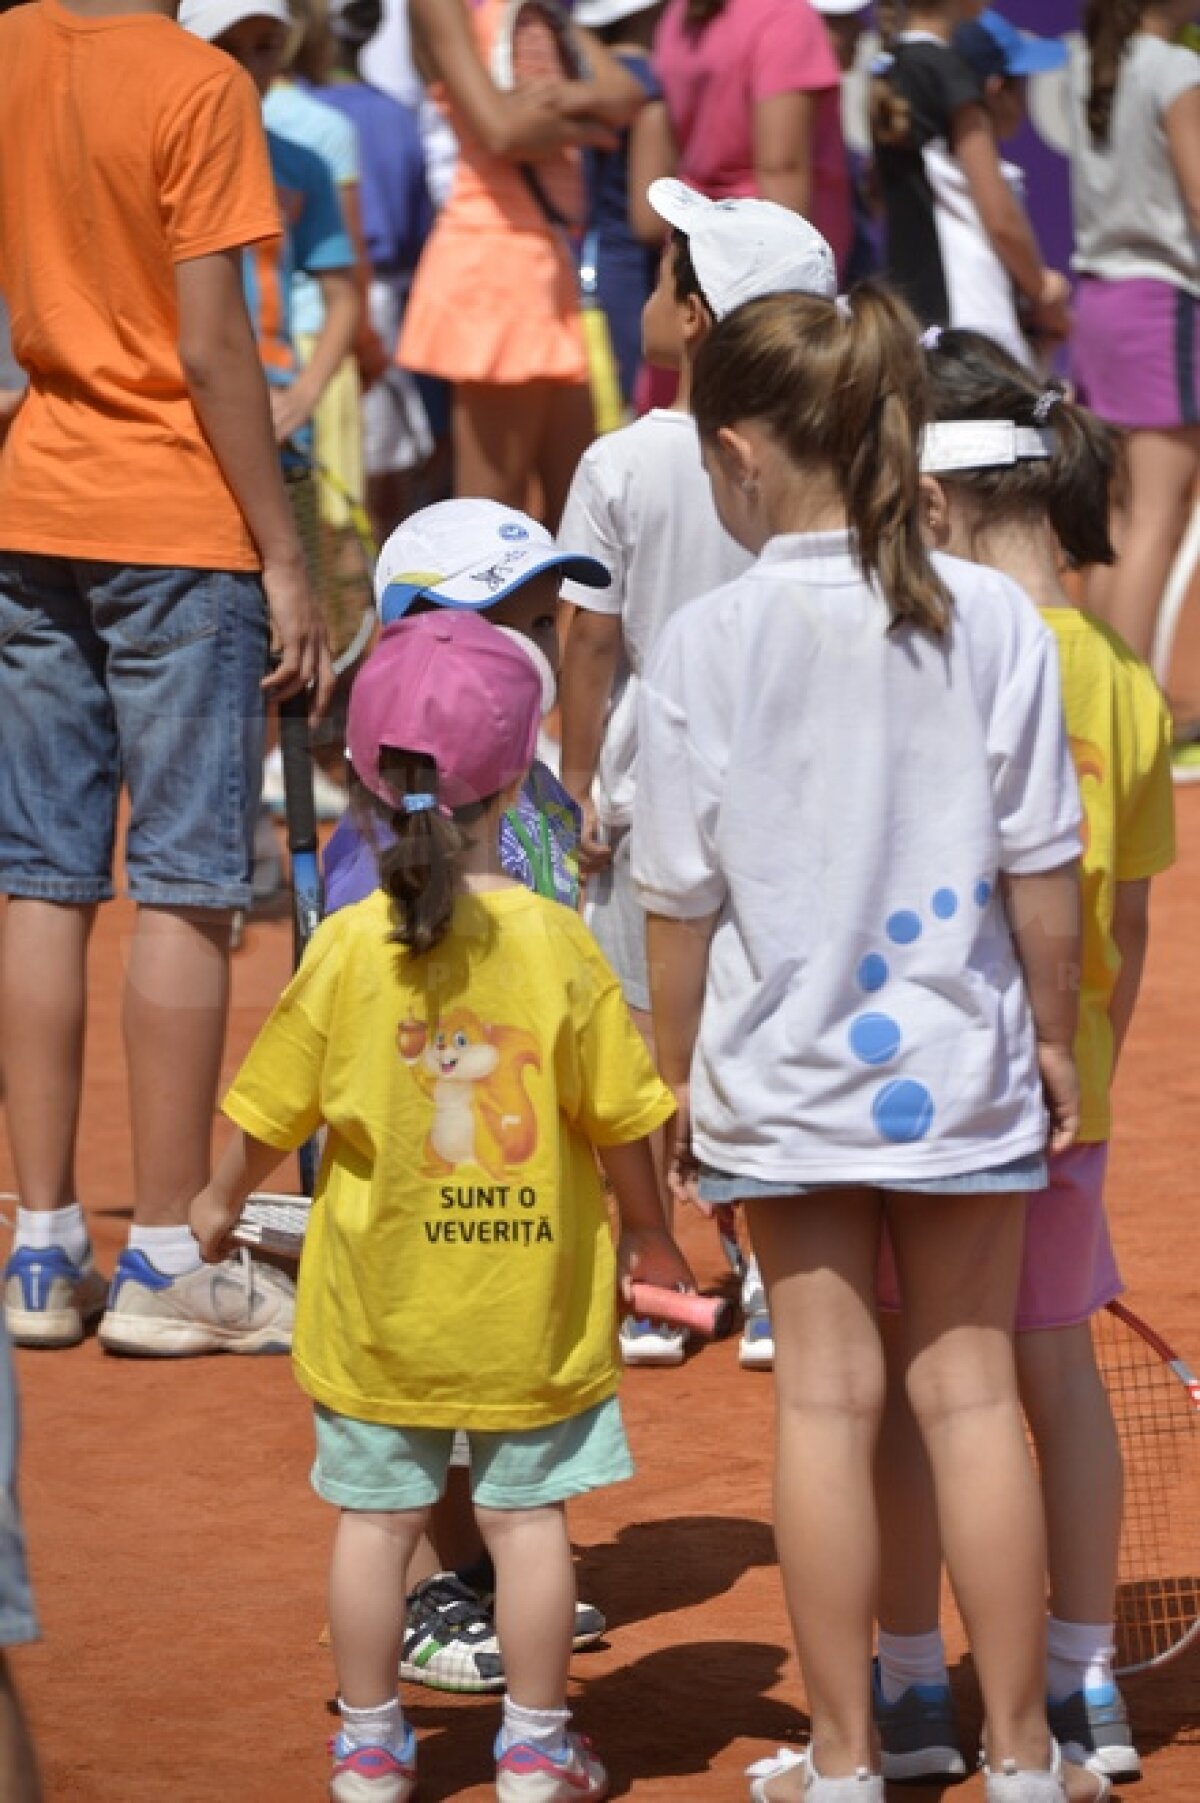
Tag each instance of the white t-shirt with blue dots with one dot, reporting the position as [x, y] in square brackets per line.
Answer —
[845, 798]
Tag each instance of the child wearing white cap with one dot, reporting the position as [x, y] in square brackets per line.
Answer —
[640, 504]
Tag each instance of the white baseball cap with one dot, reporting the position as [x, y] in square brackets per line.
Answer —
[742, 249]
[210, 19]
[469, 554]
[594, 15]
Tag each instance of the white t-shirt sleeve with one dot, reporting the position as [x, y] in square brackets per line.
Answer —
[1036, 791]
[676, 870]
[1175, 70]
[590, 528]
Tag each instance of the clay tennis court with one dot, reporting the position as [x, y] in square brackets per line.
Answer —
[179, 1556]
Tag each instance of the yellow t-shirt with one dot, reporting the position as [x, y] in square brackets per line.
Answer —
[459, 1267]
[1120, 733]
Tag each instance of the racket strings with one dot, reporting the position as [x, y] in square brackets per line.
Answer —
[339, 556]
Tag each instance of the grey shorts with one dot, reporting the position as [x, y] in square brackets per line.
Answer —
[618, 921]
[1021, 1174]
[18, 1620]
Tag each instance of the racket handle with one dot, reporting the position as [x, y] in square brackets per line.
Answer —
[296, 753]
[711, 1317]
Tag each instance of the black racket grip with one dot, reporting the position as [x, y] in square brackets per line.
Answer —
[296, 751]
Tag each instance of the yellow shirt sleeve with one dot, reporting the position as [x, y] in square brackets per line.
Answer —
[276, 1096]
[1146, 809]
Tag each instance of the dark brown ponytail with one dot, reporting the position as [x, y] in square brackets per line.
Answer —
[700, 13]
[1108, 26]
[971, 378]
[842, 390]
[419, 859]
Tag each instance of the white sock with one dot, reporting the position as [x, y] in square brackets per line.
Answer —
[545, 1728]
[382, 1726]
[171, 1250]
[1079, 1656]
[908, 1659]
[42, 1228]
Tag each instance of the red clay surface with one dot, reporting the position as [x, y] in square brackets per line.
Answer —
[179, 1556]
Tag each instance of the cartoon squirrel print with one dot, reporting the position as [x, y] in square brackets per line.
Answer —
[475, 1076]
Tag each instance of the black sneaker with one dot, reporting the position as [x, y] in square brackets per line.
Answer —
[918, 1733]
[450, 1639]
[591, 1624]
[1093, 1730]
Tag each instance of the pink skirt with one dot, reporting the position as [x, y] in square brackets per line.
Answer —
[1069, 1270]
[1135, 353]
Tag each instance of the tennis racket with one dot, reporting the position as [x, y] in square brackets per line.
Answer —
[534, 42]
[308, 896]
[1155, 1401]
[340, 554]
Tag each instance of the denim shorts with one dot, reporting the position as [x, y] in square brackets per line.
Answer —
[18, 1622]
[137, 675]
[1020, 1174]
[373, 1466]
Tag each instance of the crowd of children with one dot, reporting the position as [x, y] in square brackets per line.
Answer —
[830, 922]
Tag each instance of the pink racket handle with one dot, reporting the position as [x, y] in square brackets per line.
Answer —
[709, 1316]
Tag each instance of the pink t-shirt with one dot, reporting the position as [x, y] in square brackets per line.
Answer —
[714, 78]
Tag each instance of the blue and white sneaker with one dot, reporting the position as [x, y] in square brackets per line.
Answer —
[651, 1342]
[529, 1774]
[48, 1298]
[237, 1306]
[1092, 1728]
[918, 1733]
[757, 1350]
[373, 1774]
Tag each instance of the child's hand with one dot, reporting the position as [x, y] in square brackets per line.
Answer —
[595, 853]
[1060, 1086]
[683, 1169]
[212, 1223]
[290, 410]
[650, 1255]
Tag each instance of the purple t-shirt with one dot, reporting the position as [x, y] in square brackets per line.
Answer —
[714, 78]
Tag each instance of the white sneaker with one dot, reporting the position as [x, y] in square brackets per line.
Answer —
[528, 1774]
[756, 1351]
[651, 1342]
[238, 1306]
[48, 1298]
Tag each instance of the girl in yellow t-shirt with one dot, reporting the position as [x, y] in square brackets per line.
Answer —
[469, 1052]
[1021, 481]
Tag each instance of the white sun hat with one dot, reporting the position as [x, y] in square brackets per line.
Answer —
[742, 249]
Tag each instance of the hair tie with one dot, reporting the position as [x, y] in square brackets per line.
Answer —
[418, 804]
[1046, 402]
[930, 338]
[845, 307]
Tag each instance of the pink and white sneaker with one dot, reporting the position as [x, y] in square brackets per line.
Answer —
[529, 1774]
[373, 1774]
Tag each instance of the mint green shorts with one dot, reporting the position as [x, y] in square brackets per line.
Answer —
[373, 1466]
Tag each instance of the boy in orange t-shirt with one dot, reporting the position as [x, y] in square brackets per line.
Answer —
[147, 556]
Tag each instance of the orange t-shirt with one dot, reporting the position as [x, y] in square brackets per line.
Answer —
[126, 146]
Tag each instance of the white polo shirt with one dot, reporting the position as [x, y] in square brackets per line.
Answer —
[845, 798]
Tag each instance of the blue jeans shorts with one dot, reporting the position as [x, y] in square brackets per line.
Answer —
[18, 1622]
[1020, 1174]
[373, 1466]
[137, 675]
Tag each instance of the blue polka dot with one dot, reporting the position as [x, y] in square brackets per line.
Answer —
[944, 904]
[875, 1038]
[903, 1111]
[903, 927]
[983, 894]
[872, 973]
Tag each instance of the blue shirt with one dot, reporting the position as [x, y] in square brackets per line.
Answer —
[396, 209]
[314, 238]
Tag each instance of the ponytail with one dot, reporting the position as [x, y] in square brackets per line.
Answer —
[1108, 26]
[700, 13]
[419, 864]
[890, 113]
[971, 378]
[841, 388]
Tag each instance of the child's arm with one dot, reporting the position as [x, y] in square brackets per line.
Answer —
[973, 141]
[647, 1253]
[653, 153]
[295, 405]
[585, 685]
[229, 392]
[214, 1213]
[1181, 122]
[783, 132]
[677, 956]
[1131, 935]
[1043, 914]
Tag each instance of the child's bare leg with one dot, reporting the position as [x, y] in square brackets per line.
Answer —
[498, 430]
[818, 1255]
[569, 429]
[371, 1554]
[911, 1552]
[959, 1261]
[45, 994]
[1082, 1478]
[535, 1600]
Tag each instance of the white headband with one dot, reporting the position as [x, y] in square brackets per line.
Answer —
[951, 445]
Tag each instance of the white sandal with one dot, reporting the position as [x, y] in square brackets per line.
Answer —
[1013, 1785]
[863, 1787]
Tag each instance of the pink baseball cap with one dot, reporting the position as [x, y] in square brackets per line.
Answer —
[455, 689]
